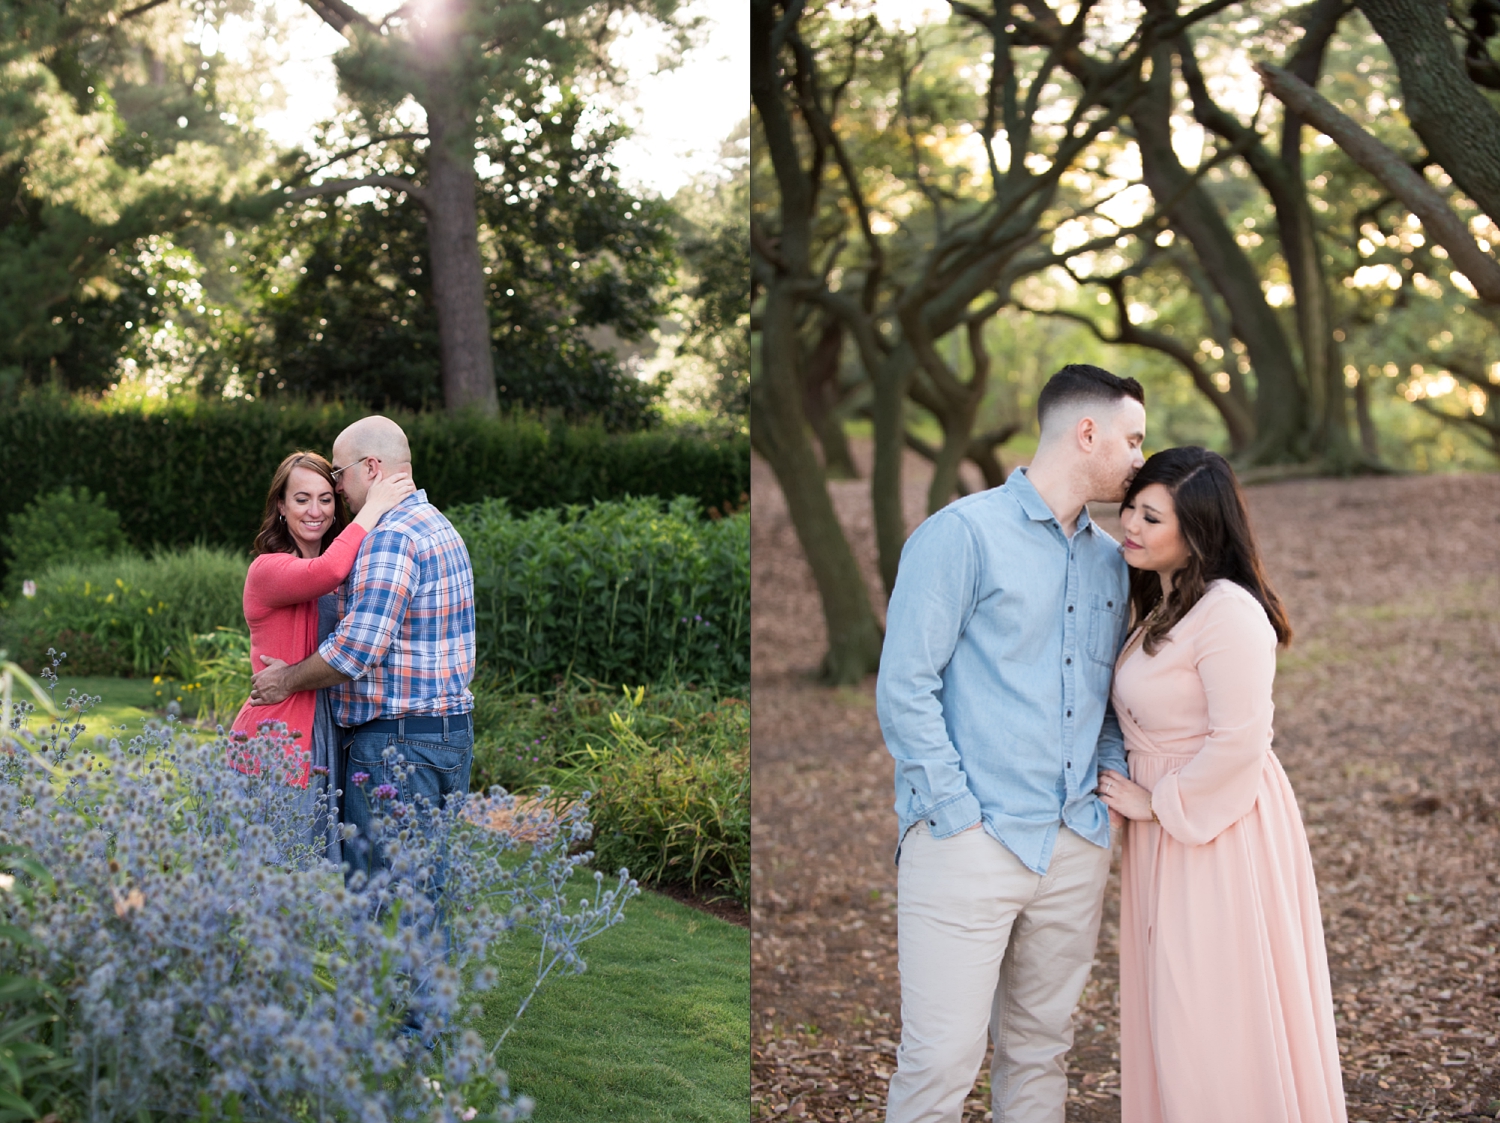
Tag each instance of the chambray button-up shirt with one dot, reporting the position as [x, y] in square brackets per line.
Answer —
[993, 694]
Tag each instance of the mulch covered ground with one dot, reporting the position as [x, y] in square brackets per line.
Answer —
[1386, 721]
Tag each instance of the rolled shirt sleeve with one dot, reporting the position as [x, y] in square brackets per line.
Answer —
[929, 608]
[1111, 747]
[379, 595]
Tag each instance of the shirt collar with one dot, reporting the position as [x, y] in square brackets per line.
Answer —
[1035, 506]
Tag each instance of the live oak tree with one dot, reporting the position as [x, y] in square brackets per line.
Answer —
[863, 225]
[1446, 106]
[909, 185]
[431, 83]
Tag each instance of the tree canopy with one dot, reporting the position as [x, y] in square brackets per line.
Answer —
[925, 197]
[456, 234]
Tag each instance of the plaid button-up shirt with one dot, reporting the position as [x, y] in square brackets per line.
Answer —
[406, 630]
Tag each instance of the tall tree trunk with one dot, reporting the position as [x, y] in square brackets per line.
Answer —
[1449, 112]
[1280, 404]
[779, 432]
[955, 404]
[1369, 442]
[468, 365]
[821, 401]
[1321, 358]
[890, 381]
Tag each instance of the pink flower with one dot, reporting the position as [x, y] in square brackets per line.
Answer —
[28, 588]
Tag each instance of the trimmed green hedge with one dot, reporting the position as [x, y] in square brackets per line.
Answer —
[633, 591]
[630, 592]
[199, 473]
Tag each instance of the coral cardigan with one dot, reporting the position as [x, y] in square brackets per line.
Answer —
[281, 607]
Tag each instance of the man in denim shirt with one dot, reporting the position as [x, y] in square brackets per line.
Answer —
[994, 699]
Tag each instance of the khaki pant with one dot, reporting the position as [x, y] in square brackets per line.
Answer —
[985, 943]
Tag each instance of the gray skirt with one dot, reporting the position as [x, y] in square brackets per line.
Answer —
[322, 798]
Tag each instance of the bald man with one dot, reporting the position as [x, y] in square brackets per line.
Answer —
[401, 659]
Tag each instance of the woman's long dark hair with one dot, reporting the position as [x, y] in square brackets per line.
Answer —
[1215, 525]
[274, 536]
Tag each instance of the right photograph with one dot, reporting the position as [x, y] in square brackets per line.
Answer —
[1125, 563]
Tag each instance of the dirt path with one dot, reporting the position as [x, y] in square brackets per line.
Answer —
[1386, 722]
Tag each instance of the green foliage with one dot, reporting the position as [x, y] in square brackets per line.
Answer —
[36, 1072]
[669, 766]
[113, 130]
[637, 590]
[182, 474]
[656, 1031]
[215, 668]
[344, 291]
[64, 525]
[716, 246]
[131, 613]
[676, 810]
[522, 737]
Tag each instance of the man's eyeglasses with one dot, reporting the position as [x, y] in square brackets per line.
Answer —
[337, 472]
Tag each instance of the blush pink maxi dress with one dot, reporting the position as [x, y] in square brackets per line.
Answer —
[1226, 1011]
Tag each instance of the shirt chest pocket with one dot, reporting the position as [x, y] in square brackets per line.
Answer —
[1106, 628]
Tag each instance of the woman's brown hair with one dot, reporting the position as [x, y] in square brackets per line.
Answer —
[275, 537]
[1215, 525]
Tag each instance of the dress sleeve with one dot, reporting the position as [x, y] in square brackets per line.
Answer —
[1235, 655]
[281, 579]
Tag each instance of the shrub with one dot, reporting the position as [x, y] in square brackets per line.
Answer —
[217, 666]
[633, 591]
[522, 739]
[215, 965]
[63, 525]
[129, 613]
[669, 769]
[192, 473]
[677, 810]
[36, 1068]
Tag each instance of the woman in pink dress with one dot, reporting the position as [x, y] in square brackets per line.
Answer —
[305, 548]
[1226, 1010]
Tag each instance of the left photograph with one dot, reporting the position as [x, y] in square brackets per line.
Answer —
[374, 561]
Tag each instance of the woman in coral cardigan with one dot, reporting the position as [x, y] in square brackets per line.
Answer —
[305, 549]
[1226, 1009]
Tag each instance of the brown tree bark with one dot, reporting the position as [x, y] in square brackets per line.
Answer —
[1453, 117]
[778, 424]
[821, 399]
[1280, 400]
[1369, 440]
[779, 432]
[954, 403]
[448, 199]
[468, 365]
[1392, 170]
[1326, 398]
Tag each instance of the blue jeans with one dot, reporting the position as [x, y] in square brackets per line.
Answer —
[438, 765]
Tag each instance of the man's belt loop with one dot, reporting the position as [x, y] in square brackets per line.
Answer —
[446, 724]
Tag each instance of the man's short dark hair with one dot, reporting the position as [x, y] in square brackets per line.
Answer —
[1080, 382]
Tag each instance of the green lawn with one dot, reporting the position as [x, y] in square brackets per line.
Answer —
[657, 1030]
[127, 701]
